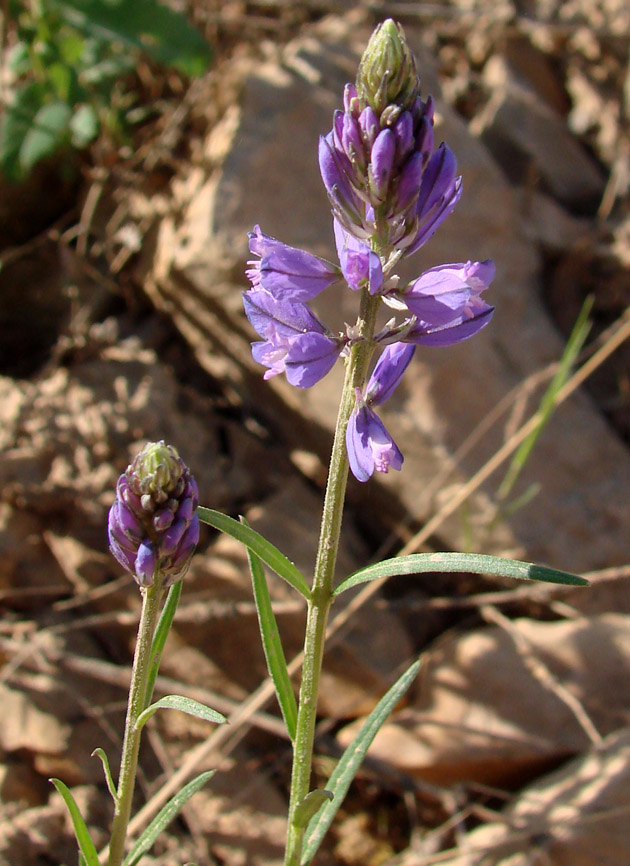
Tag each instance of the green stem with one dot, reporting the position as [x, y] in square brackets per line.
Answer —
[151, 598]
[322, 589]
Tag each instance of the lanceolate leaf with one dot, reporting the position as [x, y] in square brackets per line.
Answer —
[349, 763]
[164, 817]
[272, 645]
[475, 563]
[269, 554]
[84, 840]
[185, 705]
[159, 638]
[111, 787]
[310, 805]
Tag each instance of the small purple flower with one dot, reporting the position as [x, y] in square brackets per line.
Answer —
[295, 341]
[153, 526]
[447, 303]
[287, 272]
[369, 445]
[361, 267]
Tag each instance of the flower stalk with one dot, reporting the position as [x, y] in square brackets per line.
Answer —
[322, 589]
[138, 700]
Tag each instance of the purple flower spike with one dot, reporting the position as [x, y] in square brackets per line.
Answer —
[359, 264]
[370, 447]
[154, 510]
[286, 272]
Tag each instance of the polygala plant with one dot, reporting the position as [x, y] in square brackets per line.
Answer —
[390, 187]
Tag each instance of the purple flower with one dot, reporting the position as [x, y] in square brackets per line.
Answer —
[153, 526]
[361, 267]
[439, 191]
[447, 303]
[287, 272]
[369, 445]
[295, 341]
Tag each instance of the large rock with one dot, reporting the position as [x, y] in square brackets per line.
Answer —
[264, 170]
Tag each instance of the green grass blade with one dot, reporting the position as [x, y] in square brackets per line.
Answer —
[159, 638]
[547, 404]
[255, 542]
[164, 817]
[472, 563]
[111, 787]
[184, 705]
[349, 763]
[272, 645]
[84, 840]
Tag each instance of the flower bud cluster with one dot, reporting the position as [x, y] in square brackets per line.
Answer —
[153, 526]
[382, 172]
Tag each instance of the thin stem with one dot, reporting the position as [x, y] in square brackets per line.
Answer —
[321, 591]
[151, 598]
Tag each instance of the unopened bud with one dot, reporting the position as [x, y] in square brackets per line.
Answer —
[387, 73]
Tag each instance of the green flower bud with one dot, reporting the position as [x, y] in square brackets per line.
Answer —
[387, 73]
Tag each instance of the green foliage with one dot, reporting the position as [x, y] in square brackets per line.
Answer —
[255, 542]
[87, 851]
[350, 761]
[69, 64]
[185, 705]
[164, 818]
[467, 563]
[272, 645]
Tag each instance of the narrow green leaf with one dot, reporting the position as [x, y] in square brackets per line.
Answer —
[547, 404]
[474, 563]
[111, 787]
[311, 804]
[84, 840]
[350, 761]
[164, 817]
[272, 645]
[159, 638]
[185, 705]
[269, 554]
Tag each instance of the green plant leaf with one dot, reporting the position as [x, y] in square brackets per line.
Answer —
[272, 645]
[84, 126]
[84, 840]
[474, 563]
[15, 122]
[111, 787]
[185, 705]
[48, 131]
[146, 25]
[159, 638]
[311, 804]
[259, 545]
[164, 817]
[350, 761]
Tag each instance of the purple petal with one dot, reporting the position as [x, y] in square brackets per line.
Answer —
[273, 318]
[359, 264]
[286, 272]
[370, 126]
[310, 358]
[146, 564]
[163, 519]
[369, 445]
[440, 190]
[438, 296]
[454, 333]
[403, 135]
[381, 162]
[172, 537]
[126, 558]
[409, 181]
[388, 372]
[188, 542]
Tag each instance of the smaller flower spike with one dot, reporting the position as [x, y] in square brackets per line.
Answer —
[153, 526]
[295, 341]
[286, 272]
[369, 445]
